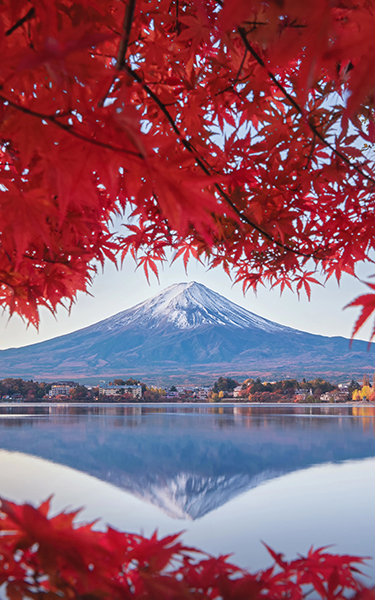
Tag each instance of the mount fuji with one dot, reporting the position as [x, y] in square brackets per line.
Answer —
[187, 330]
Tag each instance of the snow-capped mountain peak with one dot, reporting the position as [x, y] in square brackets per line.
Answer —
[187, 306]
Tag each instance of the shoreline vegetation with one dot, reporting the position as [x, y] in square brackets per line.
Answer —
[225, 389]
[227, 403]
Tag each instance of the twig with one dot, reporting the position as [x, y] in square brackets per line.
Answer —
[311, 151]
[207, 169]
[126, 29]
[232, 85]
[52, 119]
[124, 43]
[293, 25]
[29, 15]
[298, 109]
[46, 261]
[178, 24]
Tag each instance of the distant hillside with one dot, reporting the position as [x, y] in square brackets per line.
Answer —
[184, 331]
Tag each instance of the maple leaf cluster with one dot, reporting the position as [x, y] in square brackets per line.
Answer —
[238, 133]
[54, 558]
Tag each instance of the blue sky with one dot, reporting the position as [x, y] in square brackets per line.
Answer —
[114, 291]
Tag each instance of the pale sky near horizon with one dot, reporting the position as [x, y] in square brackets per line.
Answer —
[114, 291]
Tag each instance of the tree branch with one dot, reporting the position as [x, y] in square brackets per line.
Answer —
[178, 24]
[298, 109]
[53, 119]
[232, 85]
[124, 43]
[206, 168]
[29, 15]
[126, 29]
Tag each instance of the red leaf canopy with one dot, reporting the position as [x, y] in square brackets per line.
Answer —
[236, 132]
[52, 558]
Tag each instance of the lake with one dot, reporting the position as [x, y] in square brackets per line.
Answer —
[229, 476]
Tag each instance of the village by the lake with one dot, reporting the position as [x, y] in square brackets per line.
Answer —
[224, 389]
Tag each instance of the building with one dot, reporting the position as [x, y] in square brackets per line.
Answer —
[237, 391]
[117, 390]
[334, 396]
[60, 389]
[170, 394]
[343, 387]
[202, 393]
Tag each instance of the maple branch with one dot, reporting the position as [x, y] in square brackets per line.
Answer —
[52, 119]
[178, 24]
[298, 109]
[64, 261]
[206, 167]
[124, 43]
[29, 15]
[293, 25]
[126, 29]
[231, 87]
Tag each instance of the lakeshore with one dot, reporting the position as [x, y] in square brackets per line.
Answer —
[181, 403]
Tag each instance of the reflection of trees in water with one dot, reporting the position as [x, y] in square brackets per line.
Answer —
[193, 409]
[211, 417]
[367, 414]
[14, 422]
[279, 421]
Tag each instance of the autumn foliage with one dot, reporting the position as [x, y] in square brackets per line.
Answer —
[237, 132]
[53, 558]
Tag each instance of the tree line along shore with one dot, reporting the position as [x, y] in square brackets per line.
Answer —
[224, 389]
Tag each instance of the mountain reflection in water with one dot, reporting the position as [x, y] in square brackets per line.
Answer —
[188, 460]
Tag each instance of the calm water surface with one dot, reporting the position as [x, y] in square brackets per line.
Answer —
[228, 476]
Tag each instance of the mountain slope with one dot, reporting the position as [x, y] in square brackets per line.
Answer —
[185, 328]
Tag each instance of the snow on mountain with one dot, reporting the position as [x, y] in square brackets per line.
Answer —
[186, 306]
[191, 497]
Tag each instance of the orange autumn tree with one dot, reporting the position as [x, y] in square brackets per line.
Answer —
[237, 132]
